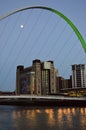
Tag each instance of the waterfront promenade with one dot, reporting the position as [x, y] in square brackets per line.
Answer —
[34, 100]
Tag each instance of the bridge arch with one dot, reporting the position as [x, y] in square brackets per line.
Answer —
[78, 34]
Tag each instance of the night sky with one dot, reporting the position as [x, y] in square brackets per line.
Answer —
[40, 34]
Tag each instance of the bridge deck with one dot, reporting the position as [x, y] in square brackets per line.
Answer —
[41, 97]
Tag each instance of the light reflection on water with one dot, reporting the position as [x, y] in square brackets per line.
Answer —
[61, 118]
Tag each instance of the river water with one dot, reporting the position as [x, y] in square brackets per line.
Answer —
[42, 118]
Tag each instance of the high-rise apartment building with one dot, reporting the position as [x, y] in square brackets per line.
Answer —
[79, 76]
[39, 79]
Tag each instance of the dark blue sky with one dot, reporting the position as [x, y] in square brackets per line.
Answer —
[44, 35]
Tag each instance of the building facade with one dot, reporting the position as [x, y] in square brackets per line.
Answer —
[63, 84]
[79, 76]
[39, 79]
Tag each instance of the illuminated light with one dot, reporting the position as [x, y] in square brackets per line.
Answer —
[38, 111]
[73, 111]
[21, 26]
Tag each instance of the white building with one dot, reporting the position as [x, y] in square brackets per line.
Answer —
[79, 76]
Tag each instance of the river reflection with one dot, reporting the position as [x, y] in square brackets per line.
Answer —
[61, 118]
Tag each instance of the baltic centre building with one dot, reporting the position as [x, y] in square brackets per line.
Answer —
[39, 79]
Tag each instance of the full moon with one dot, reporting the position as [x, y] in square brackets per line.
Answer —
[21, 26]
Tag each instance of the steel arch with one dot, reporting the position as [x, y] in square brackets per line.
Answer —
[78, 34]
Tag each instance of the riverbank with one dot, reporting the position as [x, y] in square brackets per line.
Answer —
[44, 102]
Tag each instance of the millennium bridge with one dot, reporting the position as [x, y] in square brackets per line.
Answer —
[41, 97]
[49, 101]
